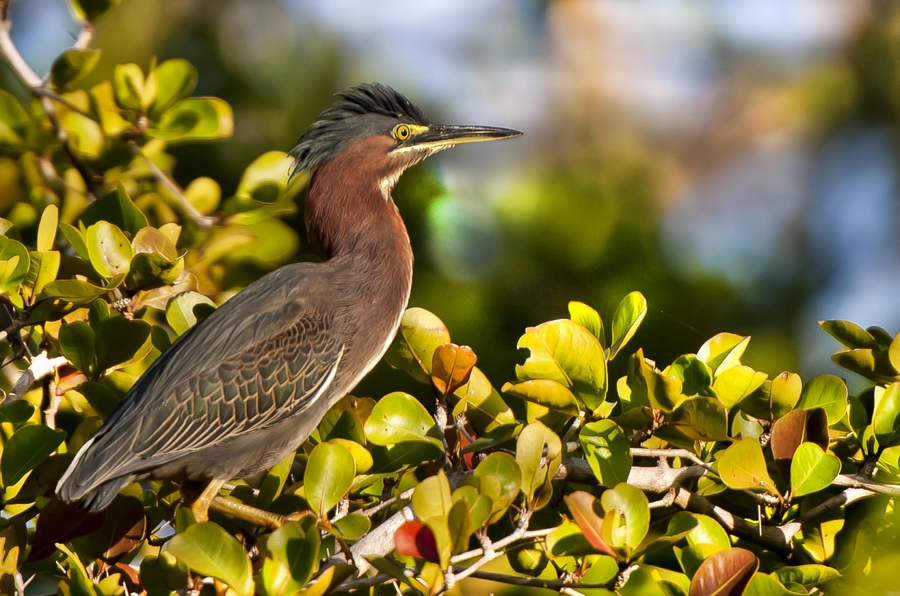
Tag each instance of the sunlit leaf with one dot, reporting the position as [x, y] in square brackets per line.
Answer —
[607, 450]
[626, 320]
[723, 351]
[184, 310]
[109, 249]
[827, 392]
[412, 351]
[399, 418]
[743, 466]
[209, 550]
[328, 476]
[451, 367]
[812, 469]
[589, 319]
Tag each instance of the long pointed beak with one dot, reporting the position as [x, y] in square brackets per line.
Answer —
[441, 136]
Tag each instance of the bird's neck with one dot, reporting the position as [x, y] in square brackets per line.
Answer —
[351, 216]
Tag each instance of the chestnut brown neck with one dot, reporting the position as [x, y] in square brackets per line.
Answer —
[350, 214]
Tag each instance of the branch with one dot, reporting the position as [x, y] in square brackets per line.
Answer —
[40, 367]
[37, 86]
[203, 221]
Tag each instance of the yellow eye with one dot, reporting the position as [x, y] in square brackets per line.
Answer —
[401, 132]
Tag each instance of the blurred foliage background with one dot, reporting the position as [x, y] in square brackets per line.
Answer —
[736, 161]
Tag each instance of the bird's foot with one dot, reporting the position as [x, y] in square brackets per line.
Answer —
[251, 514]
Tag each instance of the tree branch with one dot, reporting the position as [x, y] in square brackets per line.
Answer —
[203, 221]
[40, 367]
[37, 86]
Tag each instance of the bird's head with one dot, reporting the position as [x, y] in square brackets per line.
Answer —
[399, 133]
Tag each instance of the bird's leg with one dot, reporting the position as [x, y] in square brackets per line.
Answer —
[200, 507]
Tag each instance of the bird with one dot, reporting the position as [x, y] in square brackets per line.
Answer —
[248, 384]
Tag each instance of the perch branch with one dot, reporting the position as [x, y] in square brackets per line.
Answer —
[40, 367]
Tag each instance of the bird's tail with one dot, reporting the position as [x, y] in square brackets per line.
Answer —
[86, 482]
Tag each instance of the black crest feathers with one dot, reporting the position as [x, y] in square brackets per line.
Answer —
[357, 112]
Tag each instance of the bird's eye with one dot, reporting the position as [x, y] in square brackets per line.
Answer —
[401, 132]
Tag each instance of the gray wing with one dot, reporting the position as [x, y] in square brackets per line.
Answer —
[262, 357]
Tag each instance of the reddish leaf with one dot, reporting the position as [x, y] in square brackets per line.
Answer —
[61, 522]
[725, 573]
[794, 428]
[451, 367]
[588, 515]
[123, 530]
[415, 539]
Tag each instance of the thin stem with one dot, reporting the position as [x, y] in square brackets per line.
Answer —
[203, 221]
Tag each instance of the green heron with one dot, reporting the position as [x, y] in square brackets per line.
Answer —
[248, 384]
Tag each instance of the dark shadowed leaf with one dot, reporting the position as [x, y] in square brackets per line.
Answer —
[294, 550]
[17, 412]
[91, 10]
[122, 531]
[28, 447]
[849, 333]
[651, 387]
[886, 419]
[694, 373]
[72, 65]
[60, 523]
[209, 550]
[76, 342]
[117, 208]
[725, 573]
[120, 340]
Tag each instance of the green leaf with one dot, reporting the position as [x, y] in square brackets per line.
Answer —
[894, 353]
[195, 119]
[482, 404]
[120, 340]
[588, 318]
[708, 531]
[742, 466]
[812, 469]
[737, 382]
[128, 84]
[701, 419]
[29, 446]
[806, 575]
[635, 512]
[76, 342]
[827, 392]
[567, 539]
[209, 550]
[503, 468]
[72, 65]
[117, 208]
[539, 454]
[175, 81]
[42, 269]
[587, 513]
[626, 320]
[14, 263]
[431, 499]
[607, 450]
[266, 178]
[650, 387]
[727, 572]
[694, 374]
[79, 583]
[784, 393]
[328, 476]
[544, 392]
[75, 239]
[109, 249]
[294, 551]
[17, 412]
[723, 351]
[566, 352]
[184, 310]
[204, 194]
[353, 526]
[153, 270]
[72, 291]
[849, 333]
[886, 419]
[91, 10]
[47, 228]
[419, 335]
[14, 122]
[399, 418]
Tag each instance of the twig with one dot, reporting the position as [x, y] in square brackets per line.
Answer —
[845, 498]
[534, 582]
[40, 367]
[203, 221]
[404, 496]
[477, 552]
[36, 85]
[491, 551]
